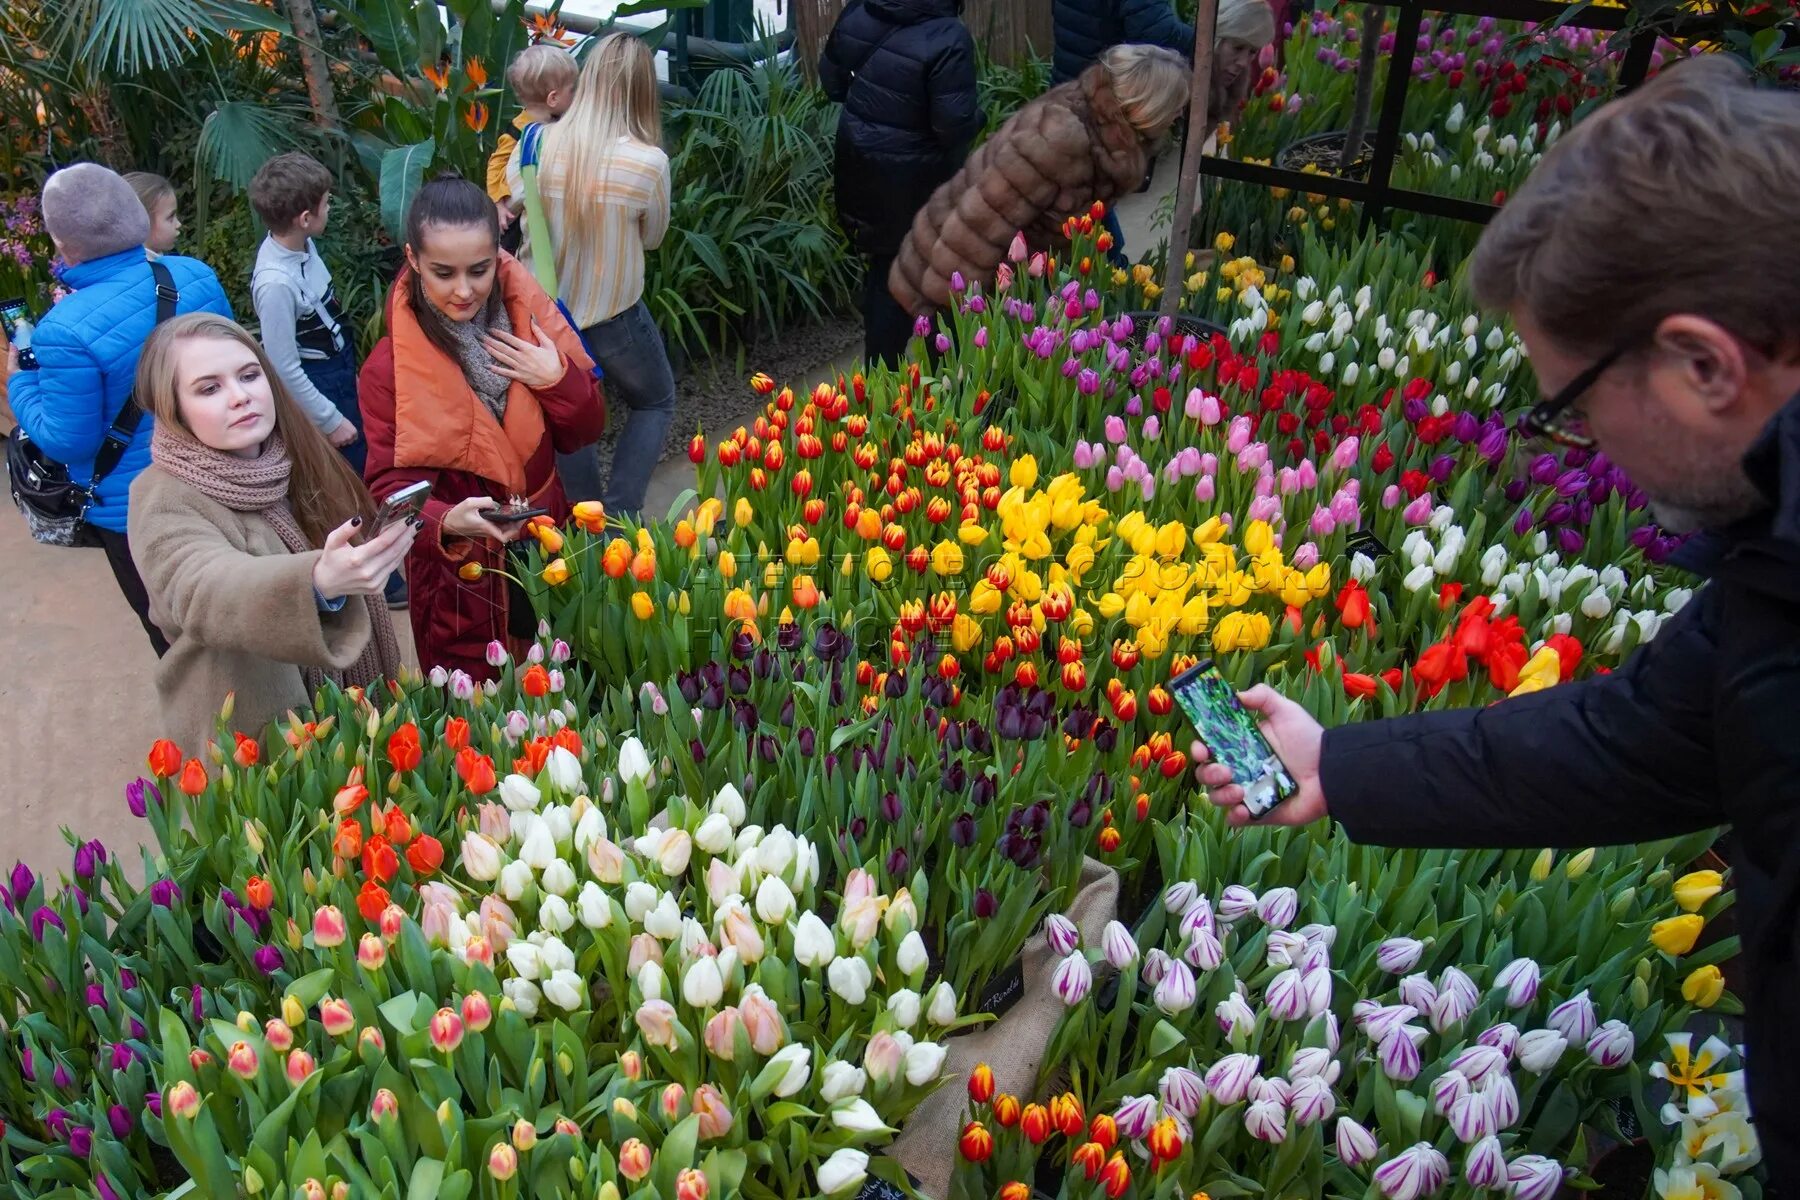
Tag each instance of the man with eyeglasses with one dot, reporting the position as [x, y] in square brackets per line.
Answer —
[1651, 264]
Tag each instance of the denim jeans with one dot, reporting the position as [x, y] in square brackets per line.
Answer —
[336, 378]
[630, 351]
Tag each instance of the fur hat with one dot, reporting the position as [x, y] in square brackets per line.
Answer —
[92, 212]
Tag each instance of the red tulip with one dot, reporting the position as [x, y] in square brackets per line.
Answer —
[165, 758]
[193, 778]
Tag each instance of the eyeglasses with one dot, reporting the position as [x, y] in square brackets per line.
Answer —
[1557, 418]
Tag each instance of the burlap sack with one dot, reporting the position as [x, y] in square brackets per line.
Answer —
[1013, 1047]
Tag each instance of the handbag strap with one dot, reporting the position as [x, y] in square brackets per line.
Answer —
[877, 44]
[125, 425]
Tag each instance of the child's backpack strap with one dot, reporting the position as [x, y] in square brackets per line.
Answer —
[543, 254]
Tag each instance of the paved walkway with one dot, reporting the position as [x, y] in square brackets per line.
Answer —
[78, 707]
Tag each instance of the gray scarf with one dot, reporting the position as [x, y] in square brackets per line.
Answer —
[477, 364]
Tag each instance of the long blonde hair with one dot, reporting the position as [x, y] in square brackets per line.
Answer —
[323, 490]
[615, 97]
[1151, 84]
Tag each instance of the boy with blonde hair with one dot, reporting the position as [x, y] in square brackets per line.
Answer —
[542, 78]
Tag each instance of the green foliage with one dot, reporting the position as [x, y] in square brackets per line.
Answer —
[1005, 90]
[753, 241]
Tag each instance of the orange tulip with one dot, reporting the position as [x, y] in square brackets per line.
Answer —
[456, 733]
[258, 894]
[1090, 1157]
[379, 862]
[590, 515]
[349, 840]
[1015, 1191]
[555, 573]
[193, 778]
[425, 855]
[1109, 839]
[806, 592]
[165, 758]
[1066, 1115]
[1006, 1109]
[403, 749]
[1034, 1122]
[470, 571]
[247, 752]
[371, 900]
[976, 1143]
[1104, 1129]
[535, 682]
[1116, 1176]
[550, 538]
[396, 826]
[476, 771]
[981, 1084]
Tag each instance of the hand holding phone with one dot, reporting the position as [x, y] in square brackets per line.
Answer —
[1258, 751]
[403, 505]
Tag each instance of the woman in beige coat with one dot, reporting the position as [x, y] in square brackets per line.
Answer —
[243, 529]
[1085, 140]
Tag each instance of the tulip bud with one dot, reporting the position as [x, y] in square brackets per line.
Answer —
[1072, 978]
[182, 1100]
[1611, 1045]
[503, 1162]
[1118, 945]
[1399, 955]
[1540, 1049]
[1062, 934]
[242, 1060]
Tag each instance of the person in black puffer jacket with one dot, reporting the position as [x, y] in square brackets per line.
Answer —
[904, 70]
[1086, 27]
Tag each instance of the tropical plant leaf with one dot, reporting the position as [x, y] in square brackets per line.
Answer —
[389, 26]
[133, 36]
[644, 6]
[402, 174]
[239, 136]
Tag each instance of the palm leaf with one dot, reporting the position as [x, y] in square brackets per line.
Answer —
[133, 36]
[239, 136]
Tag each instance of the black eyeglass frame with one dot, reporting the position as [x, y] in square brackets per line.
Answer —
[1541, 421]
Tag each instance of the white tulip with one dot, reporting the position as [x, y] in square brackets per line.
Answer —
[911, 955]
[538, 849]
[1327, 363]
[525, 960]
[744, 847]
[1313, 313]
[1418, 578]
[515, 877]
[652, 981]
[841, 1081]
[640, 898]
[1362, 567]
[774, 902]
[519, 793]
[564, 989]
[850, 979]
[776, 850]
[924, 1063]
[590, 829]
[904, 1007]
[480, 857]
[663, 921]
[845, 1169]
[814, 944]
[1595, 604]
[1677, 599]
[1351, 372]
[714, 834]
[798, 1061]
[857, 1116]
[565, 770]
[559, 878]
[524, 995]
[554, 914]
[634, 761]
[729, 803]
[702, 986]
[941, 1008]
[593, 906]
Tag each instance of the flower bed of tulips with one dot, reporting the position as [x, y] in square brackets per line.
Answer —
[695, 893]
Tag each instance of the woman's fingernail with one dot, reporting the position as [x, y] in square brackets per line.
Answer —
[354, 521]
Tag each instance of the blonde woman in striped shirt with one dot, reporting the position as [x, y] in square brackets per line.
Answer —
[604, 180]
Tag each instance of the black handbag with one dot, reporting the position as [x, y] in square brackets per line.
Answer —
[55, 506]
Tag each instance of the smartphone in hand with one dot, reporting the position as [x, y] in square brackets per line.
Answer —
[1232, 737]
[409, 501]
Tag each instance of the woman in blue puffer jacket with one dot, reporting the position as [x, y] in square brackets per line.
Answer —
[87, 347]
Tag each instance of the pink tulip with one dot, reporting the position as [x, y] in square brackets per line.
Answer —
[1036, 267]
[1346, 510]
[1288, 481]
[1323, 521]
[1264, 508]
[1016, 251]
[1114, 428]
[1343, 455]
[1390, 496]
[1265, 485]
[1238, 434]
[1305, 556]
[1211, 412]
[1308, 474]
[1419, 511]
[1115, 479]
[1205, 489]
[1253, 456]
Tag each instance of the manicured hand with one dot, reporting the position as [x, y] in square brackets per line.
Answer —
[466, 520]
[346, 569]
[537, 365]
[1295, 737]
[344, 435]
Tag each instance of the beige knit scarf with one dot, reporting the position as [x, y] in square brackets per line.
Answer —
[260, 485]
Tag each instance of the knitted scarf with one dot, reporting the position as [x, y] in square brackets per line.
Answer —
[260, 485]
[477, 364]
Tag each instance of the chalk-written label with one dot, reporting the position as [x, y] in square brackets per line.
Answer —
[1004, 990]
[880, 1189]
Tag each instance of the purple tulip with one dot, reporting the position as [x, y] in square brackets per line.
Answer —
[1466, 427]
[1570, 540]
[268, 959]
[1087, 383]
[985, 904]
[44, 916]
[104, 1188]
[122, 1056]
[120, 1119]
[61, 1077]
[81, 1141]
[1545, 469]
[58, 1122]
[1642, 537]
[137, 1029]
[1557, 514]
[164, 893]
[89, 857]
[96, 996]
[198, 998]
[81, 897]
[22, 883]
[153, 1101]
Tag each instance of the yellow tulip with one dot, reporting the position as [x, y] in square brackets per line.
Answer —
[1080, 559]
[1128, 526]
[1676, 936]
[1171, 539]
[1152, 641]
[972, 533]
[1137, 610]
[684, 603]
[878, 564]
[1235, 590]
[1258, 537]
[1578, 866]
[642, 607]
[739, 606]
[707, 515]
[1694, 889]
[1089, 532]
[1541, 671]
[741, 513]
[1224, 242]
[1174, 577]
[1065, 514]
[1294, 590]
[556, 572]
[1024, 472]
[965, 633]
[947, 558]
[772, 574]
[984, 598]
[1194, 616]
[1540, 866]
[1111, 605]
[1143, 540]
[1028, 586]
[1318, 581]
[727, 564]
[1703, 987]
[1081, 623]
[847, 565]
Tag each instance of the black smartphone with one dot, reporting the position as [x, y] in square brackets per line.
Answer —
[11, 313]
[1232, 736]
[512, 516]
[408, 502]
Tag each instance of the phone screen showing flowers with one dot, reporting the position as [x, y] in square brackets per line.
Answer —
[1232, 737]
